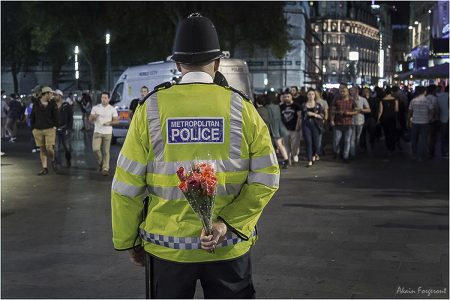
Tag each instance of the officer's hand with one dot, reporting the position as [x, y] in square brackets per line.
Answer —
[137, 256]
[209, 242]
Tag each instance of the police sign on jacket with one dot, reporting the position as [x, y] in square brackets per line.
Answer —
[195, 130]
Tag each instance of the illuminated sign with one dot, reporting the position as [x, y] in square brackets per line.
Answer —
[353, 56]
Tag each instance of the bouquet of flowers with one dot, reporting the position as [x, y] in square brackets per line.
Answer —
[199, 187]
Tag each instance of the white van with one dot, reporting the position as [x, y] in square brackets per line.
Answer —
[129, 84]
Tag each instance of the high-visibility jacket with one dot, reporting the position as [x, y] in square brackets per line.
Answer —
[173, 127]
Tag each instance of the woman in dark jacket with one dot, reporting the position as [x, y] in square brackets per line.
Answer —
[387, 116]
[312, 126]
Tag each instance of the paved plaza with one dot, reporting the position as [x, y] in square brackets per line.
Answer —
[374, 228]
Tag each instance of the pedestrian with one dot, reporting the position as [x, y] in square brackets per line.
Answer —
[151, 154]
[312, 117]
[291, 118]
[86, 106]
[27, 114]
[103, 115]
[14, 114]
[370, 130]
[278, 131]
[69, 100]
[322, 102]
[43, 126]
[342, 112]
[260, 103]
[434, 122]
[419, 116]
[361, 107]
[134, 102]
[4, 115]
[298, 98]
[442, 106]
[402, 112]
[388, 118]
[64, 126]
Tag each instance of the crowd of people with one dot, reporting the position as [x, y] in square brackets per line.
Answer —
[356, 120]
[50, 119]
[299, 121]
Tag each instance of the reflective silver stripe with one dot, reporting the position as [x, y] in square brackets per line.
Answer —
[262, 162]
[229, 189]
[170, 168]
[186, 243]
[271, 180]
[131, 166]
[235, 125]
[128, 190]
[174, 193]
[201, 52]
[154, 125]
[168, 193]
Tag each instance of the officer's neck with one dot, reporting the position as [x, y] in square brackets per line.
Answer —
[210, 73]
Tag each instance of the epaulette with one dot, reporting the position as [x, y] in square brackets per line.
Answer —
[243, 95]
[162, 86]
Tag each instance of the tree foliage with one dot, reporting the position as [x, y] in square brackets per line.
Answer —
[140, 31]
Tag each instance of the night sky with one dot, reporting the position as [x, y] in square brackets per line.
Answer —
[401, 13]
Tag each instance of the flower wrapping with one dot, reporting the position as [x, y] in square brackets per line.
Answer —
[199, 187]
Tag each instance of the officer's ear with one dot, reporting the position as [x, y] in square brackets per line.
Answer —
[178, 67]
[216, 65]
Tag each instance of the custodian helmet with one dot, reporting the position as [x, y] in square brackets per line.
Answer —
[196, 41]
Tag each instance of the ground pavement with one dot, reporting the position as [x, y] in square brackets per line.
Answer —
[374, 228]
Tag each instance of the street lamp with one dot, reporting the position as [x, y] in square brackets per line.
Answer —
[108, 62]
[77, 73]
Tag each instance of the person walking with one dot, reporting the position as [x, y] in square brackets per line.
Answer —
[4, 115]
[291, 118]
[278, 131]
[322, 102]
[27, 114]
[152, 152]
[388, 118]
[134, 103]
[312, 126]
[342, 112]
[419, 116]
[86, 106]
[361, 107]
[64, 127]
[370, 121]
[260, 103]
[434, 122]
[103, 116]
[14, 113]
[43, 126]
[442, 106]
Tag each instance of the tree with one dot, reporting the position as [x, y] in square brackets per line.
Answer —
[140, 31]
[16, 40]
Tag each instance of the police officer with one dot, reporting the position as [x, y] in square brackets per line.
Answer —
[246, 166]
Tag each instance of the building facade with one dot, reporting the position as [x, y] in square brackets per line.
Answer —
[272, 73]
[350, 50]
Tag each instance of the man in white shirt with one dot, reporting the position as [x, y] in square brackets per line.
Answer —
[103, 116]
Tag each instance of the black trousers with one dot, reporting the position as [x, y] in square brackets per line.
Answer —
[219, 280]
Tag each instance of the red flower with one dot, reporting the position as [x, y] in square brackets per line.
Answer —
[183, 186]
[181, 174]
